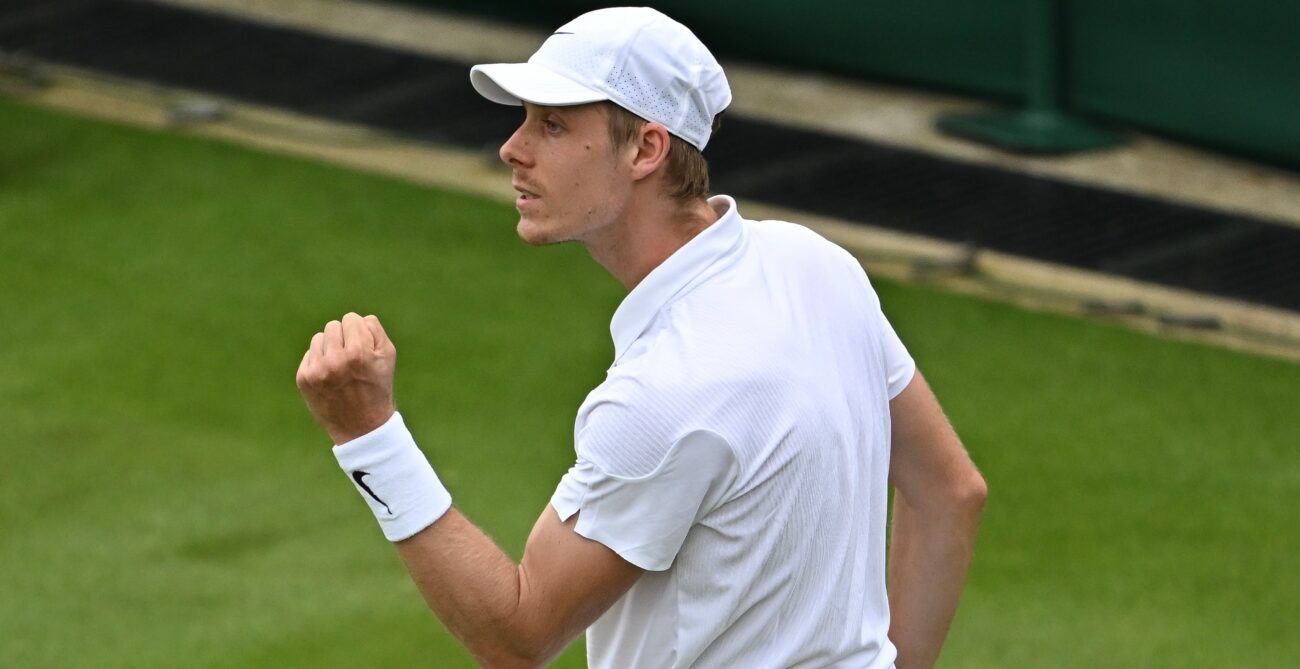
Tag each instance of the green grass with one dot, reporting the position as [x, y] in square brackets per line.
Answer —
[167, 500]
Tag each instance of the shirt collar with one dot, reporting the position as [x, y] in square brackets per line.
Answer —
[664, 282]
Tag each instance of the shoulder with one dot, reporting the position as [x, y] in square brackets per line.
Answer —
[824, 271]
[795, 240]
[785, 231]
[631, 423]
[627, 425]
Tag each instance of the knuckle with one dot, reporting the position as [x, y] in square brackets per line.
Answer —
[345, 359]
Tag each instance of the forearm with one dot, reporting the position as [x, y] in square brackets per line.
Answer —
[930, 552]
[508, 616]
[475, 589]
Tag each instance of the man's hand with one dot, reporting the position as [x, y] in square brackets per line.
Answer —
[346, 376]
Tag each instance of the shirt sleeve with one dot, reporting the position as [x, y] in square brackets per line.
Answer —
[899, 365]
[645, 519]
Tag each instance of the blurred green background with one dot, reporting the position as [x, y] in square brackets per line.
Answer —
[1219, 73]
[167, 500]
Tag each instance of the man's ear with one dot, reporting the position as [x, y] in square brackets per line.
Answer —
[651, 144]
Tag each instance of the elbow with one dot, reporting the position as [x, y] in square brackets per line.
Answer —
[503, 657]
[510, 661]
[520, 636]
[515, 648]
[971, 494]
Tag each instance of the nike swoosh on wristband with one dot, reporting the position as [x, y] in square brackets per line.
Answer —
[356, 476]
[561, 33]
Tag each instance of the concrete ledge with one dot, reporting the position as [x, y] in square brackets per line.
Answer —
[1028, 283]
[890, 115]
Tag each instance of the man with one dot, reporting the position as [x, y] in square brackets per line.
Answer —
[727, 506]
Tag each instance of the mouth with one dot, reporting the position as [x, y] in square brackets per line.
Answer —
[525, 194]
[527, 200]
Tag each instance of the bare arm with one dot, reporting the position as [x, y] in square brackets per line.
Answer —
[937, 505]
[508, 616]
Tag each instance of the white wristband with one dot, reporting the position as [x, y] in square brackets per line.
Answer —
[395, 479]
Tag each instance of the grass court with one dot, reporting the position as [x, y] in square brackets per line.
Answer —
[168, 501]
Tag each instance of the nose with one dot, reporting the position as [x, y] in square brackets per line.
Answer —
[515, 151]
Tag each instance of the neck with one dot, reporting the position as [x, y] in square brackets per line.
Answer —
[646, 234]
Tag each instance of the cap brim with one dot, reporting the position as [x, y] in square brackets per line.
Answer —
[517, 83]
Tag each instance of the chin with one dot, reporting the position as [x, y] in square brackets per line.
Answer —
[536, 234]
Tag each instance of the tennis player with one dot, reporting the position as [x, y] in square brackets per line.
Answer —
[727, 503]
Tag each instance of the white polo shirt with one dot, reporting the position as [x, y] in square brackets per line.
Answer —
[738, 450]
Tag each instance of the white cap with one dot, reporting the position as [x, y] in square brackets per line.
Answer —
[634, 57]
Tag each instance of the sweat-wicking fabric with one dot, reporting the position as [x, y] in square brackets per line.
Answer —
[738, 450]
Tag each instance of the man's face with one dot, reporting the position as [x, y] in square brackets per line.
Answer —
[572, 186]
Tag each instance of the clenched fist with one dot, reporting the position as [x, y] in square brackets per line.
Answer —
[347, 377]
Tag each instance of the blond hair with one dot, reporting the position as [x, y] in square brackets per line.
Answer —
[686, 173]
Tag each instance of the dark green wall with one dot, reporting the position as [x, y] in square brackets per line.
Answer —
[974, 47]
[1216, 72]
[1225, 74]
